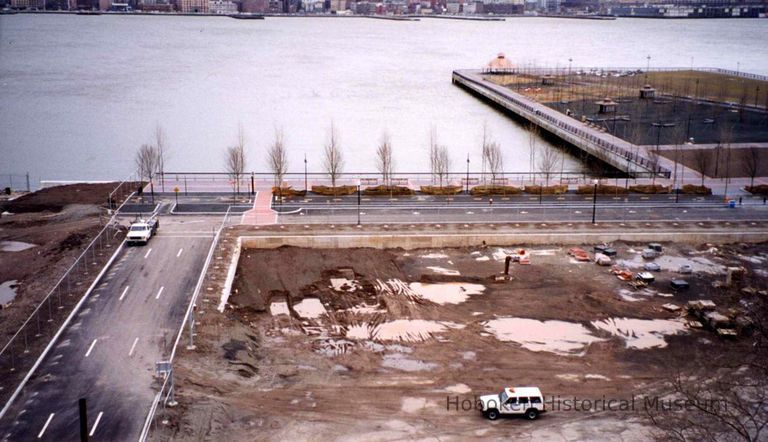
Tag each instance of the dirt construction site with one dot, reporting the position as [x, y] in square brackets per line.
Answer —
[392, 344]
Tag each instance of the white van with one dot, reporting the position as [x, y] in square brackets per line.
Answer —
[527, 401]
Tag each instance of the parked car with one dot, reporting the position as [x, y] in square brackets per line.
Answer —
[521, 401]
[679, 284]
[685, 269]
[649, 254]
[652, 267]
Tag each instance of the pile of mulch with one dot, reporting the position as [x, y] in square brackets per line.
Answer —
[602, 189]
[650, 188]
[444, 190]
[535, 189]
[334, 191]
[495, 190]
[761, 189]
[696, 190]
[388, 190]
[287, 192]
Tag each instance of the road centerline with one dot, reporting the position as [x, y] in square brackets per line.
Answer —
[96, 424]
[133, 347]
[147, 254]
[47, 422]
[124, 292]
[90, 349]
[159, 292]
[180, 250]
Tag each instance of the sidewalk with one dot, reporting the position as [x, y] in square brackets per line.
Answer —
[262, 213]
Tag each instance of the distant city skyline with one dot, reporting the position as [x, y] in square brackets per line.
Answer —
[621, 8]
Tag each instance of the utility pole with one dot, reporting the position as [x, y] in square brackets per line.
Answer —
[305, 173]
[358, 204]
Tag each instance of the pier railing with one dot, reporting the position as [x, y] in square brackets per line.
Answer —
[617, 153]
[563, 70]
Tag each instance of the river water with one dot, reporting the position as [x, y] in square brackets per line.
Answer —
[79, 94]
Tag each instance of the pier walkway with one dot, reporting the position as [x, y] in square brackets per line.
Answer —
[622, 155]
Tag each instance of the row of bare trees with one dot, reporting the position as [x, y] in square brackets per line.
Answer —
[151, 157]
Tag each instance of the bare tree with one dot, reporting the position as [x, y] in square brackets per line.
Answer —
[147, 162]
[720, 396]
[278, 158]
[702, 159]
[548, 162]
[235, 160]
[333, 159]
[653, 160]
[439, 159]
[384, 161]
[162, 152]
[494, 159]
[751, 164]
[677, 133]
[442, 164]
[533, 137]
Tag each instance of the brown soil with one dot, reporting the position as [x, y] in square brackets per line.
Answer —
[54, 199]
[256, 376]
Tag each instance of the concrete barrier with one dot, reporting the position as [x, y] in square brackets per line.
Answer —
[418, 241]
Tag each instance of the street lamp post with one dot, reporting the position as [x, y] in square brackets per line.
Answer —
[467, 181]
[305, 173]
[358, 204]
[594, 203]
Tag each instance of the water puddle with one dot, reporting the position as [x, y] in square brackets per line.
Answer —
[447, 293]
[434, 256]
[403, 330]
[482, 258]
[443, 271]
[8, 292]
[278, 308]
[15, 246]
[413, 404]
[641, 333]
[345, 285]
[310, 308]
[559, 337]
[458, 389]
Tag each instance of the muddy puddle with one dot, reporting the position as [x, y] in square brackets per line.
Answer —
[559, 337]
[15, 246]
[641, 333]
[447, 293]
[7, 292]
[403, 330]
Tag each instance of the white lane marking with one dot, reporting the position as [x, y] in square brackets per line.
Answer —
[148, 252]
[133, 347]
[124, 292]
[96, 424]
[179, 254]
[40, 435]
[159, 293]
[90, 348]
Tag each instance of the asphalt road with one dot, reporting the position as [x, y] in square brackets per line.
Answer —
[108, 353]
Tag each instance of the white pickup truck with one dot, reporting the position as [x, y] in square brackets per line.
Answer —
[525, 401]
[142, 230]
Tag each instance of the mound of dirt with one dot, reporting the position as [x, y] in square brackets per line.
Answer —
[54, 199]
